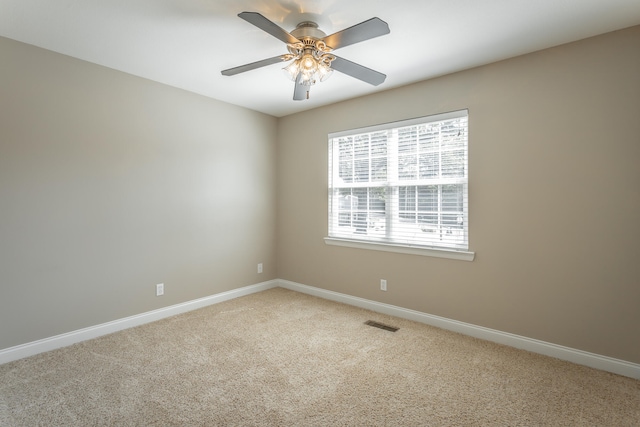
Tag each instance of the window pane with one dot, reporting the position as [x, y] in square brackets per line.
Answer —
[346, 148]
[408, 167]
[346, 171]
[452, 135]
[452, 198]
[407, 203]
[429, 165]
[428, 198]
[429, 137]
[376, 219]
[377, 199]
[379, 144]
[453, 163]
[347, 205]
[361, 170]
[360, 213]
[407, 140]
[379, 169]
[361, 146]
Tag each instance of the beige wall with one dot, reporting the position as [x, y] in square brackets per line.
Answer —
[110, 184]
[554, 166]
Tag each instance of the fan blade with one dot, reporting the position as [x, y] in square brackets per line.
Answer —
[300, 91]
[358, 71]
[265, 25]
[366, 30]
[252, 66]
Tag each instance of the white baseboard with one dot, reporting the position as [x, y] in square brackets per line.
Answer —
[580, 357]
[63, 340]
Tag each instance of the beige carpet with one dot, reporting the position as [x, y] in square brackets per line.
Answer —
[281, 358]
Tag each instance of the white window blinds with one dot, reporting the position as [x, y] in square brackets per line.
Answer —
[402, 183]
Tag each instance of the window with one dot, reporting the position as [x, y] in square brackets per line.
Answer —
[402, 184]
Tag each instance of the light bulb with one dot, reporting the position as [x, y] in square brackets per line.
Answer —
[324, 71]
[292, 69]
[308, 62]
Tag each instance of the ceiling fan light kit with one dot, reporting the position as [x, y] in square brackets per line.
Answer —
[310, 52]
[310, 56]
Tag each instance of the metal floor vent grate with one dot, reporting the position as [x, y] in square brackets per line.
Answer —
[381, 326]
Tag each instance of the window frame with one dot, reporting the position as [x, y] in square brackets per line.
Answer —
[395, 183]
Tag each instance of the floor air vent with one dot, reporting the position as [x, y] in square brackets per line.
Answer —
[380, 326]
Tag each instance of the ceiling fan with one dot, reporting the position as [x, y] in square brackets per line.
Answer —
[310, 52]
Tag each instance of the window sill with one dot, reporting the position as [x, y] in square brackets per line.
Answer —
[412, 250]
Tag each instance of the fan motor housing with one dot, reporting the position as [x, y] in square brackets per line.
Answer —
[307, 30]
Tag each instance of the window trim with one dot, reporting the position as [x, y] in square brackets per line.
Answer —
[402, 249]
[439, 252]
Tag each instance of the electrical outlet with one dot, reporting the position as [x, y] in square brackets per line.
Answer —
[260, 268]
[383, 285]
[159, 289]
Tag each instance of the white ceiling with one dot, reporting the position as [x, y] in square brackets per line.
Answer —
[186, 43]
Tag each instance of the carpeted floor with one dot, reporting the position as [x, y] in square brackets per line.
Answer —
[281, 358]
